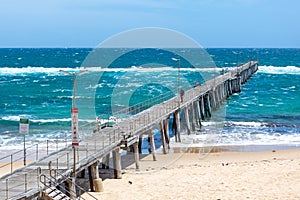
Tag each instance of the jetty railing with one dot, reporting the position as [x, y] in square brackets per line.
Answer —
[32, 153]
[20, 183]
[141, 106]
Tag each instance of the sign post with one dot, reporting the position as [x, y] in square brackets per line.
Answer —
[74, 115]
[24, 129]
[75, 139]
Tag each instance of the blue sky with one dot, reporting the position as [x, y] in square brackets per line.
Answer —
[212, 23]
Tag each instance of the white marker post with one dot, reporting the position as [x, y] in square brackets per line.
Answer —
[24, 129]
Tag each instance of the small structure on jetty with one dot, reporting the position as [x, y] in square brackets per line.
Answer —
[51, 177]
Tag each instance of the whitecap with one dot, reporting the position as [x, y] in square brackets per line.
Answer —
[11, 71]
[279, 70]
[15, 117]
[248, 124]
[51, 120]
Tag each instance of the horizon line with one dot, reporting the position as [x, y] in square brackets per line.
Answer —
[88, 47]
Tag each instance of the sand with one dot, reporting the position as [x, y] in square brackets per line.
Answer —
[223, 175]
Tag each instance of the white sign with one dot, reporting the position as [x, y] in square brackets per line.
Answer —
[75, 138]
[24, 126]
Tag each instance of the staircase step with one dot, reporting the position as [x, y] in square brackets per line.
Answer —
[50, 189]
[61, 196]
[54, 193]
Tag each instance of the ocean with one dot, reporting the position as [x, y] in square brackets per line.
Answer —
[266, 112]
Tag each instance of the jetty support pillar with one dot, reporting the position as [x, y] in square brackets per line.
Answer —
[163, 137]
[177, 124]
[97, 181]
[166, 127]
[152, 143]
[117, 163]
[187, 119]
[136, 155]
[198, 111]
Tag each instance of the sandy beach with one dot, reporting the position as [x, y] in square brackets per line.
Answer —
[223, 175]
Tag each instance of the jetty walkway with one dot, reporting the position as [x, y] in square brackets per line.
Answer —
[52, 176]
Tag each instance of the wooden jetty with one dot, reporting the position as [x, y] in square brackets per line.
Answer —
[52, 177]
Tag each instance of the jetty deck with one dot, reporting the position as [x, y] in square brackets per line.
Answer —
[57, 168]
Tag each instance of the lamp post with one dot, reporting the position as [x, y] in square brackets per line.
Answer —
[178, 80]
[74, 115]
[237, 53]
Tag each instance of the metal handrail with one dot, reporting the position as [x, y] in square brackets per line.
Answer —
[76, 185]
[18, 182]
[52, 181]
[141, 106]
[40, 149]
[48, 183]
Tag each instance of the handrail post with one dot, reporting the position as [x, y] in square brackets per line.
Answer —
[6, 189]
[77, 154]
[109, 138]
[56, 143]
[68, 161]
[114, 135]
[37, 151]
[38, 170]
[86, 150]
[26, 183]
[56, 167]
[47, 147]
[24, 151]
[66, 139]
[11, 163]
[50, 170]
[102, 140]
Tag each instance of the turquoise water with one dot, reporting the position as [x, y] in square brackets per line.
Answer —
[267, 111]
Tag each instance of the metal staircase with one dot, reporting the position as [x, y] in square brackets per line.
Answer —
[54, 190]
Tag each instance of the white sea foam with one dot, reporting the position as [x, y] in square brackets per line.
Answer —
[248, 124]
[259, 139]
[210, 123]
[149, 69]
[34, 70]
[8, 71]
[15, 117]
[50, 120]
[225, 139]
[33, 119]
[279, 70]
